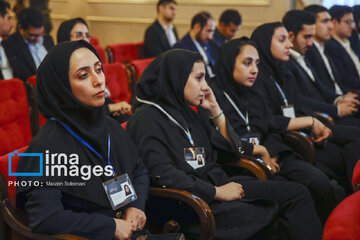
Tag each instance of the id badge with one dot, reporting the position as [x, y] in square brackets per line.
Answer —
[288, 111]
[195, 156]
[120, 191]
[253, 138]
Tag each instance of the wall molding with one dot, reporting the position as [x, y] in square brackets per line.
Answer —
[59, 16]
[190, 2]
[151, 20]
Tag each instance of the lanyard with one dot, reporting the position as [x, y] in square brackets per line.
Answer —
[35, 51]
[187, 132]
[281, 92]
[239, 112]
[84, 142]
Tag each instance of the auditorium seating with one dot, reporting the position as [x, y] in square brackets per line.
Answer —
[344, 221]
[15, 131]
[94, 41]
[101, 53]
[117, 82]
[123, 52]
[135, 69]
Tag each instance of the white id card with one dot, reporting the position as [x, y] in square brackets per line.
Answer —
[288, 111]
[120, 191]
[195, 156]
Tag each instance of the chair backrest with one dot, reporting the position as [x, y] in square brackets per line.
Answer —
[117, 82]
[356, 177]
[94, 41]
[140, 65]
[15, 131]
[122, 52]
[4, 168]
[101, 53]
[42, 119]
[141, 51]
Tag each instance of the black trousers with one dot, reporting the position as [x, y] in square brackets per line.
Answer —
[297, 213]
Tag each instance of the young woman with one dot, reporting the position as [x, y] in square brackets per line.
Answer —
[236, 71]
[337, 157]
[172, 135]
[80, 148]
[77, 29]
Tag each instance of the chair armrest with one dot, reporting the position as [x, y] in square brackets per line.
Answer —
[324, 118]
[203, 211]
[254, 165]
[300, 142]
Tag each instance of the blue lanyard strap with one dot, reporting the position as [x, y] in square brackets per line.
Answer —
[246, 120]
[187, 132]
[84, 142]
[281, 92]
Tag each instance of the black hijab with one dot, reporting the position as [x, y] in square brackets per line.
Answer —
[262, 36]
[55, 99]
[65, 28]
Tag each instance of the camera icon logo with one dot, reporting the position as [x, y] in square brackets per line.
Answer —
[30, 174]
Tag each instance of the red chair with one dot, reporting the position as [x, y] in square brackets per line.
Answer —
[141, 51]
[356, 177]
[15, 131]
[32, 81]
[135, 68]
[101, 53]
[94, 41]
[117, 82]
[122, 52]
[344, 221]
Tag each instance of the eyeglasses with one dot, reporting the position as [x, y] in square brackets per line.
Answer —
[81, 35]
[349, 22]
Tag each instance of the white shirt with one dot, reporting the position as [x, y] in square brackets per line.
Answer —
[169, 31]
[4, 64]
[301, 60]
[205, 57]
[321, 48]
[352, 54]
[37, 50]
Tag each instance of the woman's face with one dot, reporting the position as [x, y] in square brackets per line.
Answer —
[280, 44]
[246, 66]
[79, 32]
[87, 79]
[195, 87]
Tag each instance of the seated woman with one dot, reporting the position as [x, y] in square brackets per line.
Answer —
[81, 153]
[336, 156]
[77, 29]
[172, 136]
[236, 71]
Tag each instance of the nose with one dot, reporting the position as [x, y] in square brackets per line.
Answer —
[254, 69]
[289, 44]
[98, 80]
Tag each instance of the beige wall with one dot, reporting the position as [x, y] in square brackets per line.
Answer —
[116, 21]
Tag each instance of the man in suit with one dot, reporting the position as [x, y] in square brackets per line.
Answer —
[301, 27]
[339, 48]
[7, 66]
[318, 58]
[28, 46]
[355, 38]
[197, 39]
[161, 35]
[229, 24]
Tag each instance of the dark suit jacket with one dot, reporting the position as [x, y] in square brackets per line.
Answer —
[355, 42]
[156, 41]
[314, 94]
[12, 62]
[349, 76]
[317, 63]
[19, 53]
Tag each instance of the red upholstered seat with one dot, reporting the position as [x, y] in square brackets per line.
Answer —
[4, 168]
[15, 131]
[356, 177]
[117, 82]
[101, 53]
[140, 65]
[94, 41]
[42, 119]
[122, 52]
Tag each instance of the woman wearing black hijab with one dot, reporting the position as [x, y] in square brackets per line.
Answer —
[236, 72]
[172, 136]
[77, 29]
[336, 157]
[82, 148]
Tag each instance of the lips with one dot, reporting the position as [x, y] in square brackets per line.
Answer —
[100, 93]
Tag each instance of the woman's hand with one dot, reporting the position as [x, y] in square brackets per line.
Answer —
[135, 217]
[119, 107]
[265, 156]
[209, 101]
[123, 230]
[320, 131]
[230, 191]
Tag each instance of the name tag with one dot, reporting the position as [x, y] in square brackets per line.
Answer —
[195, 156]
[120, 191]
[253, 138]
[288, 111]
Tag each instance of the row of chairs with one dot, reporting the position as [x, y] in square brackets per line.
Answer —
[119, 52]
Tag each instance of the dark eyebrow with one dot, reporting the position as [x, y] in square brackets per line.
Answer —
[87, 67]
